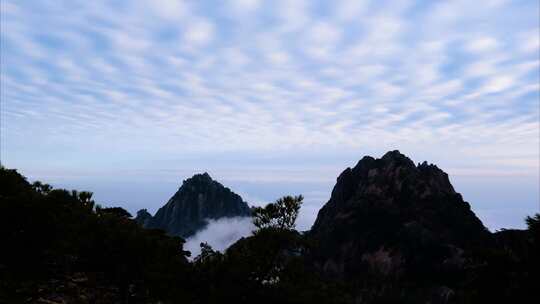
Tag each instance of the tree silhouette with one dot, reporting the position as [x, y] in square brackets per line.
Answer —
[533, 223]
[41, 188]
[279, 215]
[115, 211]
[207, 254]
[54, 237]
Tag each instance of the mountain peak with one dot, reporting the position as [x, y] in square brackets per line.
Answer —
[199, 178]
[394, 154]
[397, 158]
[380, 202]
[199, 199]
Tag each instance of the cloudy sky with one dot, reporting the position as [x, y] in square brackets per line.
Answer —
[128, 98]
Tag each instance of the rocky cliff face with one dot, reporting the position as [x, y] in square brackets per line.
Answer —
[389, 217]
[199, 198]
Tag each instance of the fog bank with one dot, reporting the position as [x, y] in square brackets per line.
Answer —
[220, 234]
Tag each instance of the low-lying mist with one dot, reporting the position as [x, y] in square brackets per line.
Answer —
[220, 234]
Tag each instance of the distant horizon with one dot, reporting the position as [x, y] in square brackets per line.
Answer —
[496, 213]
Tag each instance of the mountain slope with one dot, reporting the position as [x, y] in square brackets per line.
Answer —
[390, 217]
[198, 199]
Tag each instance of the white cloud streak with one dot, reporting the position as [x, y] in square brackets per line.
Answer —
[220, 234]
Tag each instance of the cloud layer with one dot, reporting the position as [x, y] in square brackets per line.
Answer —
[95, 78]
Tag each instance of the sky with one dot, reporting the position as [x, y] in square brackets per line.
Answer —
[129, 98]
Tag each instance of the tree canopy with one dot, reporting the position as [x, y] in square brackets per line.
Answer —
[280, 215]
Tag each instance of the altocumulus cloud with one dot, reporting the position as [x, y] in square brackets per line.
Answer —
[220, 234]
[206, 77]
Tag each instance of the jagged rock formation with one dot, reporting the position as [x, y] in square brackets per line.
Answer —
[389, 218]
[143, 217]
[199, 198]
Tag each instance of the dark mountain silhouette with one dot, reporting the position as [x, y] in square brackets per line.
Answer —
[391, 218]
[199, 198]
[392, 232]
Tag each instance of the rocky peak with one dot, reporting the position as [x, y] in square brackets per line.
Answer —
[199, 199]
[391, 177]
[392, 205]
[397, 157]
[199, 179]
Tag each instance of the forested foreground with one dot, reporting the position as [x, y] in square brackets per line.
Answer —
[59, 246]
